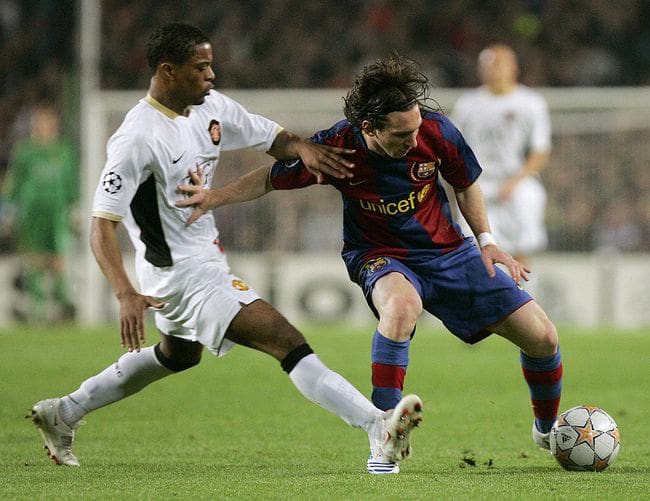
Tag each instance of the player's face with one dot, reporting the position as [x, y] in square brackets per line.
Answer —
[498, 65]
[45, 125]
[194, 77]
[399, 135]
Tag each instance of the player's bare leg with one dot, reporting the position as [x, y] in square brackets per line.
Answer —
[260, 326]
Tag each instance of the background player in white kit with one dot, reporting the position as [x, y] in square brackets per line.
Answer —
[508, 126]
[182, 271]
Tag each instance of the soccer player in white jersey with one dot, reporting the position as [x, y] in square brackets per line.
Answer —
[507, 124]
[182, 125]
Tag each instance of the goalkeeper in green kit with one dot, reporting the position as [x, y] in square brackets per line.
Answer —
[39, 191]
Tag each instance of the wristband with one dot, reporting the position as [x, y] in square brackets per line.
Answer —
[486, 238]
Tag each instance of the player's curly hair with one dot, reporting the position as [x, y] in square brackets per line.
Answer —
[173, 42]
[394, 83]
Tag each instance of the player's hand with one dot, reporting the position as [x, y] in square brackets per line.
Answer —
[492, 254]
[196, 195]
[132, 307]
[322, 160]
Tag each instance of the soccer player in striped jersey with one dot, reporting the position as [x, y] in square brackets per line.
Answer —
[182, 125]
[401, 245]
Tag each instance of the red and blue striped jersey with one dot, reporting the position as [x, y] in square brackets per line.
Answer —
[395, 207]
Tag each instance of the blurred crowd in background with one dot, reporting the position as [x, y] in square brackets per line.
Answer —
[321, 44]
[293, 43]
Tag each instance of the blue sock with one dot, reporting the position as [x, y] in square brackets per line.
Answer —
[389, 362]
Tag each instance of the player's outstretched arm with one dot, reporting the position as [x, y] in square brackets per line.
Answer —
[248, 187]
[319, 159]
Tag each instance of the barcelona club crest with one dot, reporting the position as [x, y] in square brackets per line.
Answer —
[424, 170]
[375, 265]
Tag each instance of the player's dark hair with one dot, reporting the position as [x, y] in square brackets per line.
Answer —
[173, 42]
[394, 83]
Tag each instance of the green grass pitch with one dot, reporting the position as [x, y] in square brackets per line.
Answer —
[235, 428]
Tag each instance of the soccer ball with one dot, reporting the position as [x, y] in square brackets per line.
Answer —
[585, 438]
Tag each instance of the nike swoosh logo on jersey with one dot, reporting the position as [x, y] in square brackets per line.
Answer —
[357, 183]
[176, 161]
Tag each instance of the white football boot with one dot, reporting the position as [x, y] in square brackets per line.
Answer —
[542, 440]
[57, 435]
[390, 436]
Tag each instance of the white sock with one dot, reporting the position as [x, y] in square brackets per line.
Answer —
[332, 392]
[132, 372]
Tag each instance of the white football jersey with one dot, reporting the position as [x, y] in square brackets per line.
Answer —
[150, 155]
[502, 130]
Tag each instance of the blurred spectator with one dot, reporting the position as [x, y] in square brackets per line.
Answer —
[38, 194]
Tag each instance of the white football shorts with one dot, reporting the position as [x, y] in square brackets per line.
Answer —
[518, 223]
[201, 299]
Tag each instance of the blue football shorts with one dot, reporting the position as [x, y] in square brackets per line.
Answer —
[455, 287]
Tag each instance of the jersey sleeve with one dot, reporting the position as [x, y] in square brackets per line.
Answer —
[460, 167]
[290, 175]
[241, 129]
[125, 168]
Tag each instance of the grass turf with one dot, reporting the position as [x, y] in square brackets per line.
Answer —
[235, 428]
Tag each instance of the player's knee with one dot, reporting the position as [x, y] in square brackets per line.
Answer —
[550, 337]
[546, 341]
[399, 316]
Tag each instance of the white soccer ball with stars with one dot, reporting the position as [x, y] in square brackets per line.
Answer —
[585, 438]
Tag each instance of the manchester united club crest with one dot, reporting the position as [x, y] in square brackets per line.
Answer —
[421, 171]
[239, 285]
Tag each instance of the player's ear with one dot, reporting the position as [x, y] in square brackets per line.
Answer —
[166, 70]
[367, 128]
